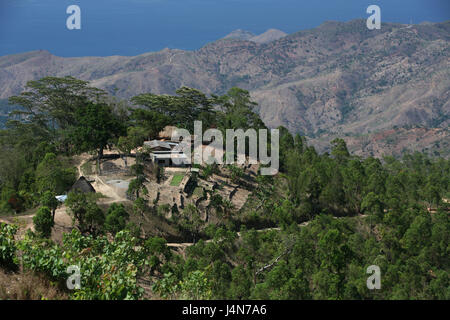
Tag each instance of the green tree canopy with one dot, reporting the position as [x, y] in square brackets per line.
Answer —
[43, 222]
[116, 218]
[87, 215]
[95, 125]
[52, 176]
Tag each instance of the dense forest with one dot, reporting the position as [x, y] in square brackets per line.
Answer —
[309, 232]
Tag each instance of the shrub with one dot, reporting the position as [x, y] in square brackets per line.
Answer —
[7, 245]
[43, 222]
[116, 218]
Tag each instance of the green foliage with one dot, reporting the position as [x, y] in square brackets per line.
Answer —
[86, 214]
[163, 209]
[42, 256]
[8, 246]
[148, 124]
[95, 125]
[209, 170]
[52, 98]
[191, 222]
[238, 111]
[48, 199]
[108, 269]
[43, 222]
[52, 176]
[167, 287]
[236, 173]
[135, 138]
[181, 110]
[340, 151]
[116, 218]
[176, 179]
[136, 186]
[195, 287]
[360, 212]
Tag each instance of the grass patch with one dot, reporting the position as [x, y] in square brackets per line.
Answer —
[176, 180]
[198, 191]
[86, 168]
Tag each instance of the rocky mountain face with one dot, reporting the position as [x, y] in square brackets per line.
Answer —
[240, 34]
[374, 88]
[269, 36]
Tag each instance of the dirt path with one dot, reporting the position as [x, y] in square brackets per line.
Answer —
[82, 160]
[99, 185]
[24, 222]
[102, 187]
[63, 223]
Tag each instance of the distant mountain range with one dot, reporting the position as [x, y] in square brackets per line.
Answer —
[385, 91]
[268, 36]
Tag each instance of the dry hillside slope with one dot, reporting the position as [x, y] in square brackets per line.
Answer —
[339, 79]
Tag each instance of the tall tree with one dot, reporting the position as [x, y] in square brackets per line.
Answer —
[340, 151]
[85, 212]
[48, 199]
[238, 111]
[52, 102]
[52, 176]
[95, 126]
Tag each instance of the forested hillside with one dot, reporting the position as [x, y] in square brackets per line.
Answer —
[309, 232]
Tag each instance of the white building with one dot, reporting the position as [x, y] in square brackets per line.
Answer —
[165, 153]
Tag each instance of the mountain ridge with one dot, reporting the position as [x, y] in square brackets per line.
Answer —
[265, 37]
[269, 36]
[339, 79]
[240, 34]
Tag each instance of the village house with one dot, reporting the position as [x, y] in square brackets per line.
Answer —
[166, 153]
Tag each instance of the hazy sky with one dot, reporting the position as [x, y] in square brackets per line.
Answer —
[131, 27]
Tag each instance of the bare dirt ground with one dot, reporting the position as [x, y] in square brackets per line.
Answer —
[63, 221]
[99, 184]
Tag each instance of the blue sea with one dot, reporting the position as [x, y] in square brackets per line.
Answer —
[132, 27]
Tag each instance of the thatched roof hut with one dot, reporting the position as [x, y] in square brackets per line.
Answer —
[82, 185]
